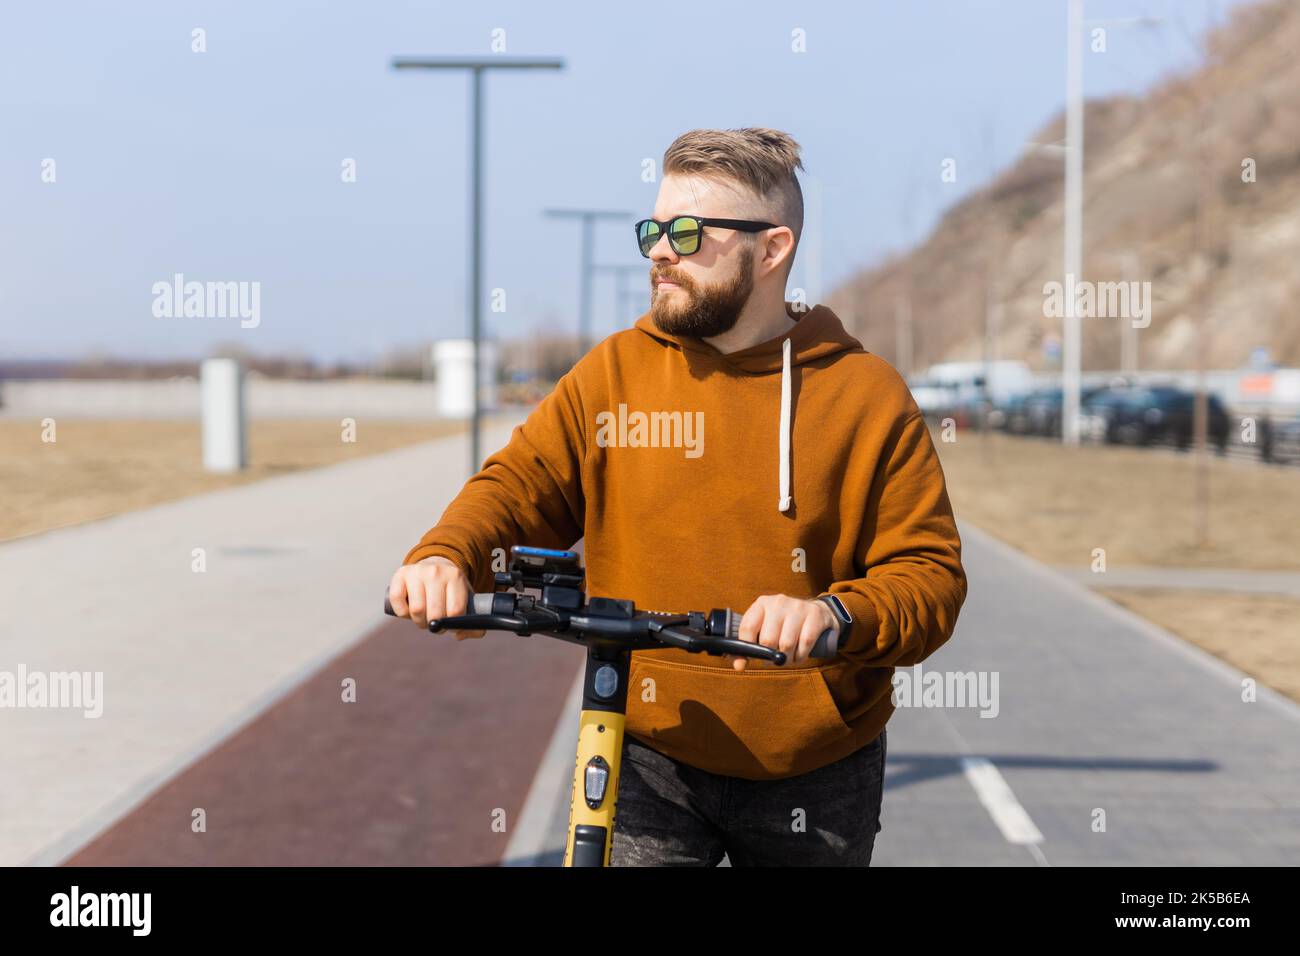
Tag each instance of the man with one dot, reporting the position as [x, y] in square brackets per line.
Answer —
[788, 471]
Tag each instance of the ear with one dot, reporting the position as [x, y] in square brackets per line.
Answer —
[777, 246]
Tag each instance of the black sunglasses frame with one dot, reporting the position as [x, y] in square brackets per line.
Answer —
[742, 225]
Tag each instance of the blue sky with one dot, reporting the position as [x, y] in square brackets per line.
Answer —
[225, 165]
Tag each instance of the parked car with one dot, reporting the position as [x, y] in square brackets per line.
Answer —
[1010, 415]
[1042, 412]
[934, 400]
[973, 410]
[1147, 415]
[974, 381]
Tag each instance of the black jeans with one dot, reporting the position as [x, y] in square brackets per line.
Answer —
[673, 814]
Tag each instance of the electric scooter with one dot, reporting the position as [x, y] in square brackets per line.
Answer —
[611, 629]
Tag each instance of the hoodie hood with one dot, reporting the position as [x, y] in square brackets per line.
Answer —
[816, 335]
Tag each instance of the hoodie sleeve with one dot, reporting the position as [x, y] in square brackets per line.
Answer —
[906, 606]
[529, 492]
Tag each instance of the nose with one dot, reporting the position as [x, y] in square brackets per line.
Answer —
[662, 251]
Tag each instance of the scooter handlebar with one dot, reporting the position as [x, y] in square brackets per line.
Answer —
[482, 604]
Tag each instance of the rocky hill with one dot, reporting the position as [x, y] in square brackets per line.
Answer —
[1166, 201]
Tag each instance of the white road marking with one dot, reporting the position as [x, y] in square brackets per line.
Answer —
[1000, 802]
[996, 795]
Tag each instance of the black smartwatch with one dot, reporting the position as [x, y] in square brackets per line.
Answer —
[841, 614]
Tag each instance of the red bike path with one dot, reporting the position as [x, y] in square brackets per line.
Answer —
[443, 738]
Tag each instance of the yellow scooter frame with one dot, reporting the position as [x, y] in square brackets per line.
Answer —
[593, 801]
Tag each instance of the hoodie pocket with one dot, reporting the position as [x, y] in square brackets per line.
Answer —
[750, 723]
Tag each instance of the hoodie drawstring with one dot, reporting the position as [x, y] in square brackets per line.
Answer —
[784, 503]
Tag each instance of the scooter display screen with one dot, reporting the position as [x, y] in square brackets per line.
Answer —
[546, 557]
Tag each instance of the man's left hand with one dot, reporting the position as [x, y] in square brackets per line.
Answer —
[787, 624]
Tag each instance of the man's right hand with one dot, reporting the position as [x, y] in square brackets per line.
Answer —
[431, 589]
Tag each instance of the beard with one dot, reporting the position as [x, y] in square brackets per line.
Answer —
[701, 311]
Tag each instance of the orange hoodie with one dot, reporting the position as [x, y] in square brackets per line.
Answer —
[797, 466]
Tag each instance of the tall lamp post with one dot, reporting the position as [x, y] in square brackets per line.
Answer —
[1072, 340]
[476, 66]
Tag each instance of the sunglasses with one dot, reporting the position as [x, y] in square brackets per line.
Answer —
[684, 232]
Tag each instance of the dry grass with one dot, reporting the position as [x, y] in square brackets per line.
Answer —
[1254, 633]
[1058, 504]
[101, 468]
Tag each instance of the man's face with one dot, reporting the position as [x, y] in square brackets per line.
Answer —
[702, 294]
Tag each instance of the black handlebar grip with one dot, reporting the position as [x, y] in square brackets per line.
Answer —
[478, 604]
[827, 642]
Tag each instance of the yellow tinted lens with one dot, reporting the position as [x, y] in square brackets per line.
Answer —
[684, 234]
[648, 235]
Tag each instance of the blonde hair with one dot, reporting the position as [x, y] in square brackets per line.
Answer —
[761, 160]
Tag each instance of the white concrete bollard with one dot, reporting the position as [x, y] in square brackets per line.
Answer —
[453, 360]
[225, 432]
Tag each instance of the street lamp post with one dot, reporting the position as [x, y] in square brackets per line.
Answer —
[1072, 340]
[476, 66]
